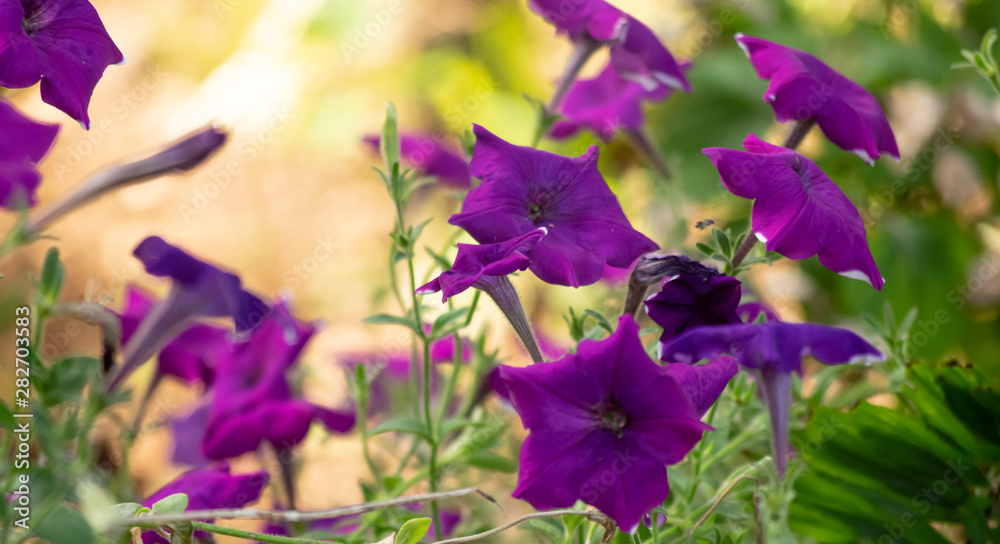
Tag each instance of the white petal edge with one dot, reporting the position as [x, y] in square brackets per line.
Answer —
[761, 237]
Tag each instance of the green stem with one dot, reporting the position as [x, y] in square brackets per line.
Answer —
[699, 456]
[250, 535]
[363, 393]
[396, 492]
[752, 431]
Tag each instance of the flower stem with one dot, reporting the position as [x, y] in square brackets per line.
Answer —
[501, 290]
[797, 131]
[585, 47]
[643, 142]
[741, 253]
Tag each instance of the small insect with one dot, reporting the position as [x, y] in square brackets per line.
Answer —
[700, 225]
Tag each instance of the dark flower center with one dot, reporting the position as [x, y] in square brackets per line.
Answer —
[534, 212]
[612, 417]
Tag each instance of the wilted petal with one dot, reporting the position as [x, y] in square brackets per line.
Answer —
[798, 211]
[688, 301]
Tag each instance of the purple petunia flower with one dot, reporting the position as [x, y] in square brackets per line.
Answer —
[60, 42]
[636, 52]
[803, 88]
[252, 401]
[23, 143]
[428, 156]
[606, 410]
[191, 355]
[524, 189]
[798, 211]
[210, 488]
[605, 104]
[773, 351]
[479, 265]
[687, 301]
[197, 290]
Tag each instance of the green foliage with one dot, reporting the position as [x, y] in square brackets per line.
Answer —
[413, 530]
[876, 472]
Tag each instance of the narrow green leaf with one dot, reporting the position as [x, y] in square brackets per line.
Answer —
[492, 461]
[386, 319]
[403, 425]
[723, 241]
[6, 416]
[52, 276]
[704, 248]
[446, 319]
[390, 138]
[412, 531]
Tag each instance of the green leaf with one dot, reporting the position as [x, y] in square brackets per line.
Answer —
[601, 320]
[705, 248]
[52, 277]
[171, 504]
[412, 531]
[548, 527]
[65, 526]
[402, 425]
[6, 416]
[67, 379]
[452, 425]
[386, 319]
[441, 261]
[723, 241]
[446, 319]
[492, 461]
[125, 510]
[390, 137]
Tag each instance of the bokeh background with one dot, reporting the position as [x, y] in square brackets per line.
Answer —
[292, 205]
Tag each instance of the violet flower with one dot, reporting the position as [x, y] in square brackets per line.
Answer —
[23, 143]
[605, 104]
[191, 355]
[207, 489]
[803, 88]
[702, 384]
[636, 52]
[687, 301]
[606, 410]
[426, 155]
[525, 189]
[798, 211]
[252, 401]
[197, 290]
[773, 351]
[486, 267]
[63, 43]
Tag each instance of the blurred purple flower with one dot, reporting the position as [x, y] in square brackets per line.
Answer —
[525, 189]
[605, 104]
[191, 355]
[636, 53]
[751, 311]
[606, 410]
[197, 290]
[429, 157]
[477, 265]
[210, 488]
[687, 301]
[60, 42]
[23, 143]
[773, 351]
[252, 401]
[798, 211]
[803, 87]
